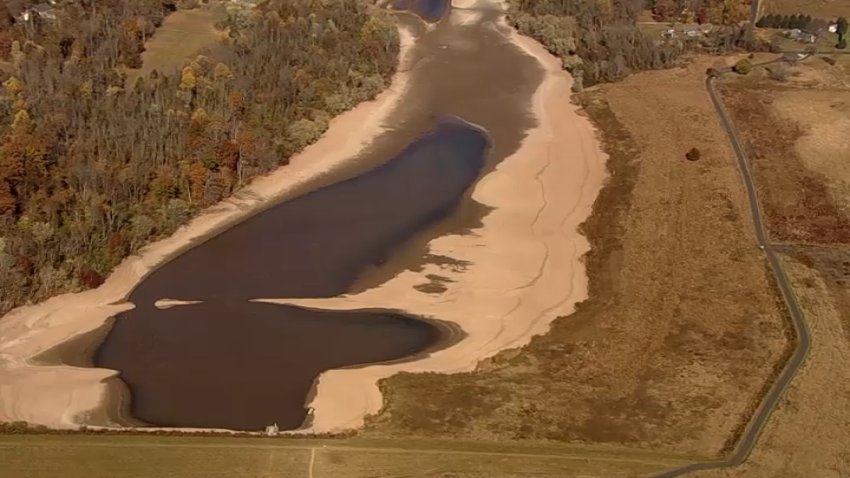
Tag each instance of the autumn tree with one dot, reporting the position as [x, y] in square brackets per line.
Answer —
[661, 10]
[188, 81]
[742, 66]
[222, 73]
[693, 154]
[93, 167]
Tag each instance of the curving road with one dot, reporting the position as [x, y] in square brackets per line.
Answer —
[748, 439]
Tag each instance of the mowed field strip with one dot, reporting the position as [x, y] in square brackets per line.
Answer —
[140, 456]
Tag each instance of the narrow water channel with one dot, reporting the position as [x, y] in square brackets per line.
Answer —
[430, 10]
[228, 362]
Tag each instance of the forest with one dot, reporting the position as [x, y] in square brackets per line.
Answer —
[601, 41]
[92, 169]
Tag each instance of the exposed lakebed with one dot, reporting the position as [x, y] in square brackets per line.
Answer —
[227, 362]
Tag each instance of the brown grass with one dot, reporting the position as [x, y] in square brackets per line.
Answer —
[182, 35]
[799, 129]
[816, 8]
[799, 204]
[807, 434]
[825, 146]
[682, 329]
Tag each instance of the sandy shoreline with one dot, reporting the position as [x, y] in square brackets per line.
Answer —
[524, 269]
[525, 266]
[57, 395]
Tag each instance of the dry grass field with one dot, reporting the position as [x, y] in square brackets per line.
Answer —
[797, 132]
[807, 434]
[182, 35]
[797, 135]
[815, 8]
[683, 329]
[824, 146]
[35, 456]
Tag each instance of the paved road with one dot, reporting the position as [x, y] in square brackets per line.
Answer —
[748, 439]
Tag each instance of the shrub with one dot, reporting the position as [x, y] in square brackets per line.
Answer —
[89, 277]
[304, 132]
[693, 155]
[743, 67]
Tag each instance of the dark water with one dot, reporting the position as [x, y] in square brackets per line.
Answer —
[236, 364]
[430, 10]
[315, 245]
[470, 71]
[245, 365]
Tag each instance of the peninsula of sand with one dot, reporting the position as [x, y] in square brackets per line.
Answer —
[522, 267]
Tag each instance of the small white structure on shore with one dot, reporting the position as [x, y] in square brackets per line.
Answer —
[272, 430]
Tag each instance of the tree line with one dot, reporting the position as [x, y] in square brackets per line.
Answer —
[784, 21]
[598, 41]
[720, 12]
[92, 169]
[602, 41]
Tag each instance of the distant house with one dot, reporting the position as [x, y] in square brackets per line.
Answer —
[819, 25]
[801, 36]
[45, 11]
[41, 10]
[690, 30]
[793, 58]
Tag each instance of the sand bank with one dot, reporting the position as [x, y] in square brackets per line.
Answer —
[521, 269]
[61, 396]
